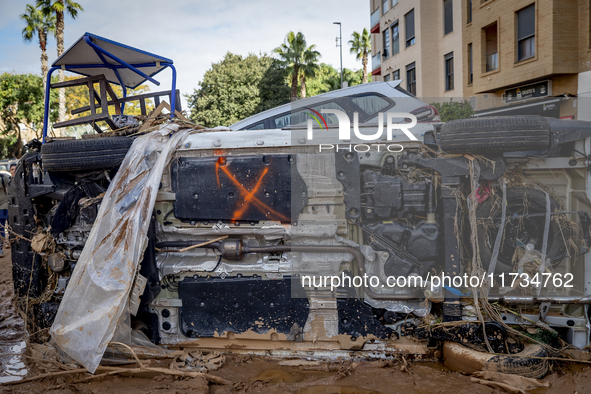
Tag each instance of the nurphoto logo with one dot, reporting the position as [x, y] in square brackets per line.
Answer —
[345, 130]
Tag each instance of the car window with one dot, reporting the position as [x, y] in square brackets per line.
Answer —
[258, 126]
[371, 104]
[283, 120]
[301, 116]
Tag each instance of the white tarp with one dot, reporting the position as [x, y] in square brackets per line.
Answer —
[97, 296]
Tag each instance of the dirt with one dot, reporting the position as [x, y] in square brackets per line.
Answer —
[250, 374]
[12, 327]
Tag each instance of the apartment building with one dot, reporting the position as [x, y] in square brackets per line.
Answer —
[507, 57]
[528, 57]
[420, 42]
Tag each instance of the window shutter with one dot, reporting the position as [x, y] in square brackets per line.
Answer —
[410, 24]
[448, 16]
[526, 22]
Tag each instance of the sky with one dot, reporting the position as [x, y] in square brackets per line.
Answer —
[194, 34]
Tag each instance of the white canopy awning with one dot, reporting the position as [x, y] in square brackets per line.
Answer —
[97, 55]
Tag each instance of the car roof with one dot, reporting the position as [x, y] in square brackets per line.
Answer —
[388, 89]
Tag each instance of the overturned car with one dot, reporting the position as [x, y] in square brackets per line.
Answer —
[312, 241]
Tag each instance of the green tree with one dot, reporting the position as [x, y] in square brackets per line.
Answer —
[308, 67]
[59, 8]
[238, 87]
[354, 77]
[290, 54]
[361, 47]
[328, 78]
[450, 110]
[273, 90]
[39, 25]
[21, 104]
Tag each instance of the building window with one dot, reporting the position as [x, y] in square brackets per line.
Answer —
[469, 11]
[411, 78]
[396, 74]
[395, 39]
[376, 62]
[448, 16]
[490, 48]
[449, 71]
[386, 77]
[386, 43]
[409, 21]
[394, 2]
[385, 6]
[526, 33]
[470, 65]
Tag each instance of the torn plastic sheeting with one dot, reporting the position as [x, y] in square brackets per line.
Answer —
[140, 346]
[97, 295]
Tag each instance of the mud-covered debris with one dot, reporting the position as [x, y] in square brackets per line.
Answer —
[507, 382]
[532, 362]
[198, 361]
[43, 242]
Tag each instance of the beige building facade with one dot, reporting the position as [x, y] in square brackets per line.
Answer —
[528, 55]
[420, 39]
[508, 56]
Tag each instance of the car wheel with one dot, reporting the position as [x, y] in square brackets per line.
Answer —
[495, 134]
[84, 155]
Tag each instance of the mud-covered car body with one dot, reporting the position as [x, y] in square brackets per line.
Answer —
[247, 223]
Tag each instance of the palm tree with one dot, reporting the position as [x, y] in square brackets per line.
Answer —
[308, 67]
[39, 25]
[58, 8]
[290, 54]
[361, 46]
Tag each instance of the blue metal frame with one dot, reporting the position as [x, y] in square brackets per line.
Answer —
[101, 53]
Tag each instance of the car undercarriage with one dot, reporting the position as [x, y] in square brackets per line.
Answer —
[258, 241]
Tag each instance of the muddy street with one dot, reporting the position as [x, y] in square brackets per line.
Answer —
[12, 328]
[249, 374]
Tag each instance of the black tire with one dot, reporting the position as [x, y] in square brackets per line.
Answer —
[84, 155]
[530, 362]
[495, 134]
[520, 200]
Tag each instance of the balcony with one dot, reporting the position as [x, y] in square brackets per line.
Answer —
[376, 63]
[374, 21]
[492, 61]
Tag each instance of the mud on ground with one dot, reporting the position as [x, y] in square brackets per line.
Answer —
[248, 374]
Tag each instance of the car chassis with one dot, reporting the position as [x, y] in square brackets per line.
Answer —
[224, 260]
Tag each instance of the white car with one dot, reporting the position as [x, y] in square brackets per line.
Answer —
[367, 99]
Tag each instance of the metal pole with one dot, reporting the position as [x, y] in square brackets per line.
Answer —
[341, 47]
[173, 92]
[46, 108]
